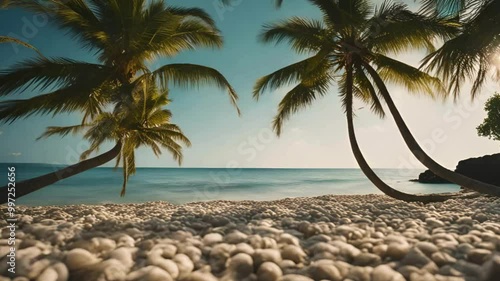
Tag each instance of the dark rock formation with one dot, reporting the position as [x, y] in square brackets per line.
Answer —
[485, 169]
[429, 177]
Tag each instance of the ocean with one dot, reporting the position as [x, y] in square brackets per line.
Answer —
[182, 185]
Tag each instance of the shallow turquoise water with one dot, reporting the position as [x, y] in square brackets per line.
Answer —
[180, 185]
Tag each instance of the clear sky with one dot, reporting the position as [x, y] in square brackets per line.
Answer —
[316, 137]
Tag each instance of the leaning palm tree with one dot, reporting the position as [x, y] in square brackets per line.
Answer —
[350, 46]
[126, 37]
[139, 121]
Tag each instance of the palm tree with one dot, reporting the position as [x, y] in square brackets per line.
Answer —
[475, 53]
[347, 45]
[126, 37]
[142, 121]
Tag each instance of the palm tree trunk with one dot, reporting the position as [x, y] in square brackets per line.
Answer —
[381, 185]
[420, 153]
[34, 184]
[367, 170]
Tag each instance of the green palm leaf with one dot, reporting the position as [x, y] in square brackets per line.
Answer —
[7, 39]
[185, 75]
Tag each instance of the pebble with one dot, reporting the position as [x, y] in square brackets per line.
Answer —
[262, 255]
[325, 269]
[293, 253]
[79, 258]
[386, 273]
[269, 271]
[416, 258]
[241, 265]
[339, 238]
[478, 256]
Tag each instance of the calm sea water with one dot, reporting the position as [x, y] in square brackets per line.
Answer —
[181, 185]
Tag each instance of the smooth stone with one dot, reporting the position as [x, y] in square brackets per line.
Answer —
[155, 258]
[491, 269]
[62, 271]
[49, 274]
[380, 250]
[124, 240]
[324, 247]
[262, 255]
[34, 269]
[359, 273]
[200, 276]
[286, 238]
[184, 264]
[478, 256]
[346, 250]
[467, 268]
[269, 271]
[324, 269]
[432, 222]
[212, 238]
[397, 251]
[386, 273]
[442, 258]
[294, 253]
[407, 270]
[241, 264]
[427, 248]
[242, 248]
[124, 255]
[102, 245]
[235, 237]
[192, 252]
[465, 220]
[416, 258]
[219, 255]
[365, 259]
[481, 217]
[79, 258]
[167, 251]
[295, 277]
[149, 273]
[107, 270]
[424, 276]
[269, 243]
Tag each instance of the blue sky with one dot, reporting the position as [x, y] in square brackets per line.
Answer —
[315, 137]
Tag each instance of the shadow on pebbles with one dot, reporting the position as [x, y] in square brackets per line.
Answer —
[349, 238]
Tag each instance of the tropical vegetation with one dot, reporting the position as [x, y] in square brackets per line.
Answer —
[491, 125]
[474, 54]
[126, 37]
[350, 46]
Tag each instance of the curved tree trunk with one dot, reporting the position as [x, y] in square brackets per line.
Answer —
[381, 185]
[420, 153]
[25, 187]
[367, 170]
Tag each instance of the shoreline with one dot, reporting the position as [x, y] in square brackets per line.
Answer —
[331, 237]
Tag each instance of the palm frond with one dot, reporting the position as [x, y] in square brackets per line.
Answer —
[396, 29]
[304, 35]
[69, 99]
[413, 79]
[63, 131]
[8, 39]
[43, 73]
[298, 98]
[315, 65]
[185, 75]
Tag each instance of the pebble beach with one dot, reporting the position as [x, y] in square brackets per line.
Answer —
[339, 238]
